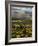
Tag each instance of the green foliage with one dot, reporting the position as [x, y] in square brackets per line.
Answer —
[21, 28]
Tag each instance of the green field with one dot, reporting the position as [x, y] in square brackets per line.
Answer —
[21, 28]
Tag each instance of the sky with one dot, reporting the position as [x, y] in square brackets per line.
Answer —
[23, 9]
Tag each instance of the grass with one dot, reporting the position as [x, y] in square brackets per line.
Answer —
[21, 28]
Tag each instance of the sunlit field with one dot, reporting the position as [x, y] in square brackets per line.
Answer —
[21, 28]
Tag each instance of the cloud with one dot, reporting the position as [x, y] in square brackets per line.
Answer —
[23, 9]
